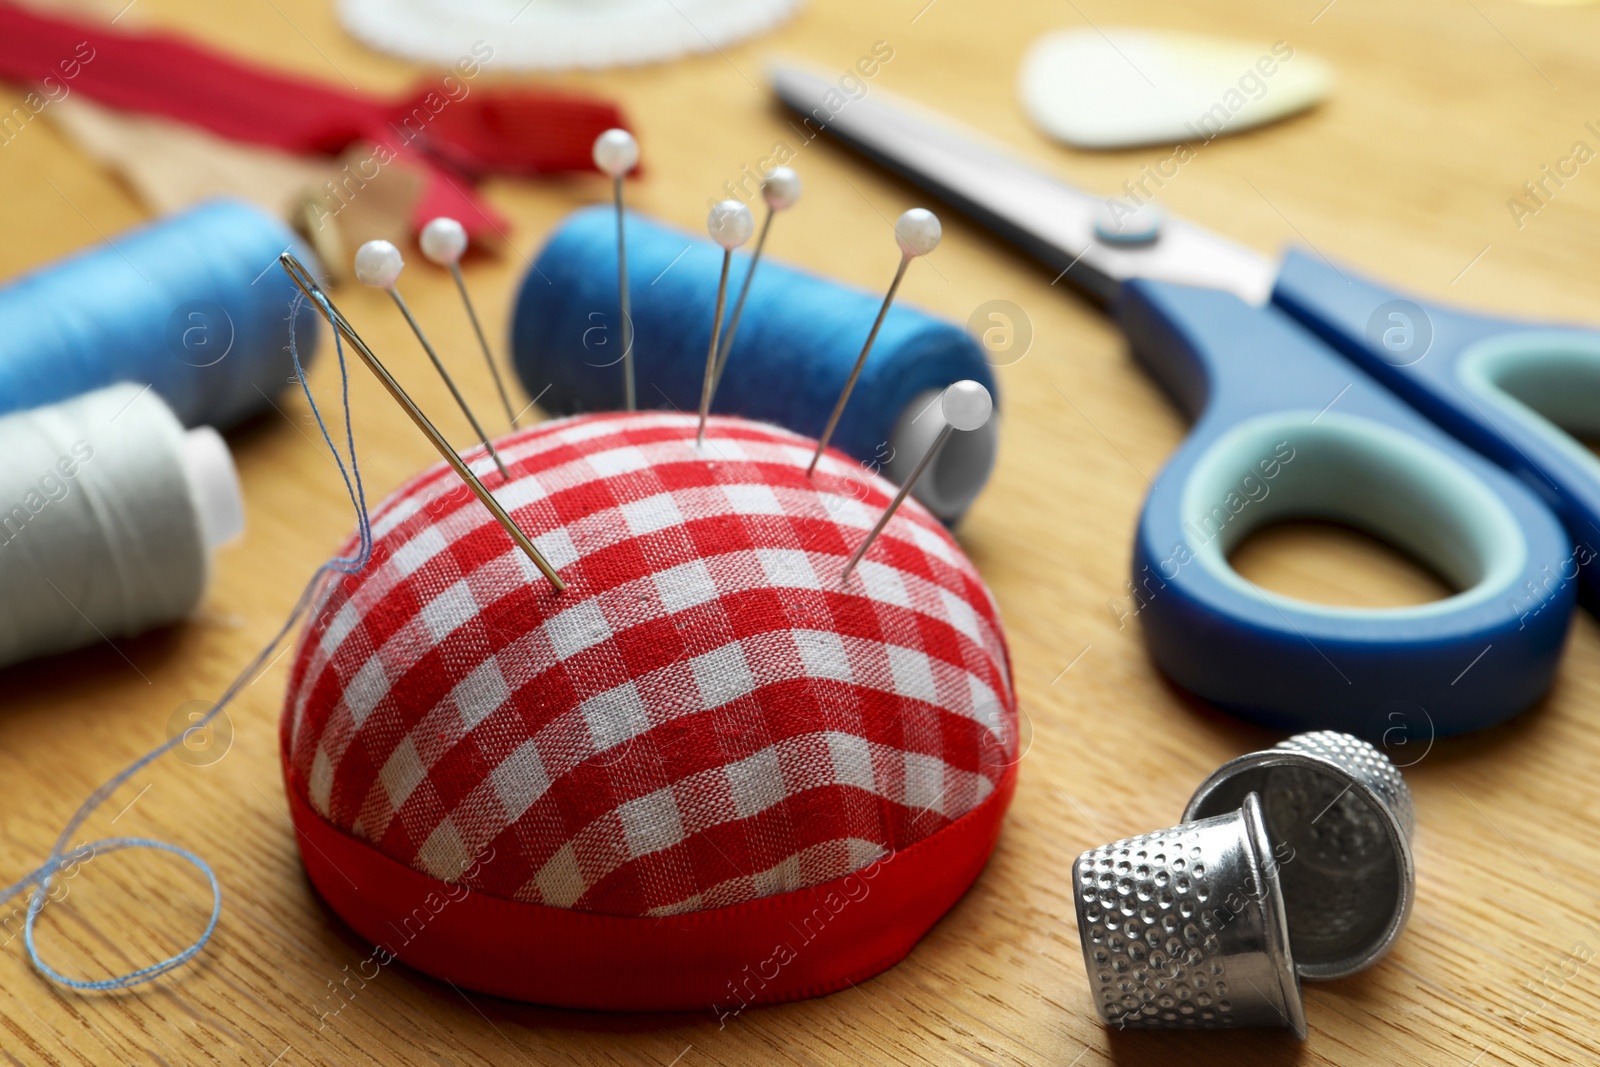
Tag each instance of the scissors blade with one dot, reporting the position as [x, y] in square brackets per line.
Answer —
[1048, 219]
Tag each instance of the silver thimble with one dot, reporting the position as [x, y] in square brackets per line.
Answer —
[1185, 928]
[1339, 816]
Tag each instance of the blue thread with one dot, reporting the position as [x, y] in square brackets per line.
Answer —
[798, 339]
[40, 877]
[190, 304]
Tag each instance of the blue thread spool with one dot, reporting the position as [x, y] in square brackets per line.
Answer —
[194, 305]
[796, 343]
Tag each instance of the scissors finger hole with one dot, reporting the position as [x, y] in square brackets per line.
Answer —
[1551, 379]
[1331, 563]
[1358, 473]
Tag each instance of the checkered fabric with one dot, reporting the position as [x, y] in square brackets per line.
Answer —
[706, 716]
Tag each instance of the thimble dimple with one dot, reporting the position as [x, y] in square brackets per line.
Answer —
[1340, 817]
[1185, 928]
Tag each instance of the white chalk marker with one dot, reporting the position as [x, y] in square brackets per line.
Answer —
[730, 225]
[378, 264]
[781, 190]
[616, 153]
[965, 405]
[917, 233]
[444, 241]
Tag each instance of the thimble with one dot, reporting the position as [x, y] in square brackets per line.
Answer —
[1339, 817]
[1185, 928]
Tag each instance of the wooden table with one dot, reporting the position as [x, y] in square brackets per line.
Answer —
[1443, 109]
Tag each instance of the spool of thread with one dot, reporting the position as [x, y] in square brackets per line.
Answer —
[109, 514]
[797, 341]
[208, 470]
[192, 304]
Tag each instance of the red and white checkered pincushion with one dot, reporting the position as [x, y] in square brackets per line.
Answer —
[707, 723]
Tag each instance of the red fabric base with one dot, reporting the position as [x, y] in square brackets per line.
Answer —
[784, 947]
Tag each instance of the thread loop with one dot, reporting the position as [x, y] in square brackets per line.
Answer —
[39, 879]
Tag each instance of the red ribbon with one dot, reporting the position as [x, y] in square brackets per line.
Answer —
[453, 138]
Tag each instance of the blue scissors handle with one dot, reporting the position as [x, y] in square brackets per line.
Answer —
[1286, 428]
[1517, 392]
[1259, 378]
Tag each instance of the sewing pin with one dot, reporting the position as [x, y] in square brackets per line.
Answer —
[780, 189]
[307, 285]
[730, 225]
[917, 233]
[378, 264]
[616, 153]
[965, 405]
[444, 241]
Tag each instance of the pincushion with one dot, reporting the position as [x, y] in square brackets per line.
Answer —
[708, 774]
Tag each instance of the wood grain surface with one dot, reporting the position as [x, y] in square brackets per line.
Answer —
[1443, 108]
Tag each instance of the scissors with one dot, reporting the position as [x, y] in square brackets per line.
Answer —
[1314, 393]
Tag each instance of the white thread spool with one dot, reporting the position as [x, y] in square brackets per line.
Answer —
[109, 514]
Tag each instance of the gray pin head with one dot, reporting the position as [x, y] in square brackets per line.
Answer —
[918, 232]
[443, 241]
[616, 152]
[378, 264]
[781, 188]
[730, 224]
[966, 405]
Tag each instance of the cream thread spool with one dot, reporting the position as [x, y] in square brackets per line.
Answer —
[109, 514]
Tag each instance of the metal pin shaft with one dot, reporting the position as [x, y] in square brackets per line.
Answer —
[899, 498]
[709, 386]
[629, 396]
[483, 342]
[738, 305]
[861, 361]
[302, 278]
[438, 365]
